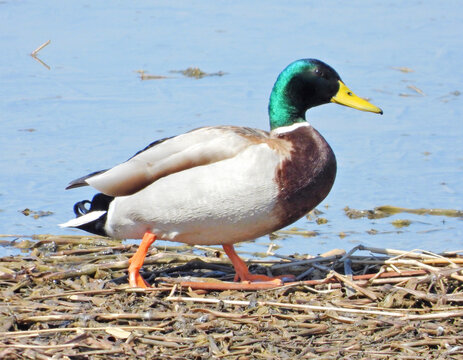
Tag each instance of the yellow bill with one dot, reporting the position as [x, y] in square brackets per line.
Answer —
[347, 98]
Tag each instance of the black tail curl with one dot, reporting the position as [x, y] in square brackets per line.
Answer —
[80, 208]
[100, 202]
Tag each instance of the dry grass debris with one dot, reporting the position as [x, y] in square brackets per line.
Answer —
[66, 298]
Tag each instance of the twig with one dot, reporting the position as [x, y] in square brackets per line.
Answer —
[395, 252]
[283, 305]
[23, 346]
[305, 262]
[394, 261]
[368, 293]
[71, 293]
[41, 62]
[349, 254]
[436, 316]
[34, 333]
[34, 53]
[440, 315]
[35, 57]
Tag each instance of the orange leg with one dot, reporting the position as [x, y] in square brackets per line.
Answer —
[242, 272]
[136, 261]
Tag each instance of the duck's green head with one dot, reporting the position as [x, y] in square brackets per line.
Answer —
[307, 83]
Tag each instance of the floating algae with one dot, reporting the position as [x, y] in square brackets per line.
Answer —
[191, 72]
[400, 223]
[388, 210]
[197, 73]
[296, 231]
[146, 76]
[36, 214]
[321, 221]
[403, 69]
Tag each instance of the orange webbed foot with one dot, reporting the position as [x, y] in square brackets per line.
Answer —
[243, 274]
[279, 280]
[137, 281]
[136, 262]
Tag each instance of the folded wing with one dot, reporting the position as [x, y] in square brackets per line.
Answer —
[167, 156]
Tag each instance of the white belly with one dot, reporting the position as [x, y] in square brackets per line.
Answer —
[220, 203]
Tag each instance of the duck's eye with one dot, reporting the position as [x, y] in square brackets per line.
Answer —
[320, 74]
[350, 93]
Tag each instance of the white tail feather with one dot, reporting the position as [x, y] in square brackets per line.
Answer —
[84, 219]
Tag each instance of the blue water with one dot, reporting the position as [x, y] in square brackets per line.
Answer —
[90, 110]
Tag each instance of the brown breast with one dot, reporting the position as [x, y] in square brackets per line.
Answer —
[306, 177]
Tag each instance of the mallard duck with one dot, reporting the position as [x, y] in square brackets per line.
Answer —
[220, 185]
